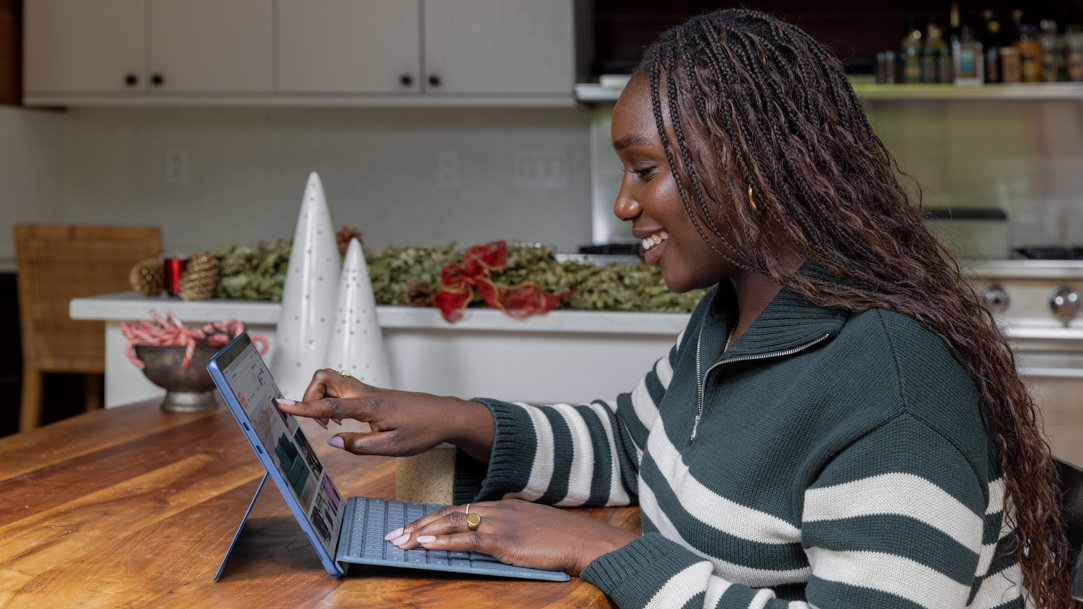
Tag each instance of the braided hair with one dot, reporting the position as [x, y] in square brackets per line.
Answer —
[772, 111]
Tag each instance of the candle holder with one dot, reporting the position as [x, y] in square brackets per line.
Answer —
[173, 268]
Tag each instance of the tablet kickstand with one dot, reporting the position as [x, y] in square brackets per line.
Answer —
[240, 528]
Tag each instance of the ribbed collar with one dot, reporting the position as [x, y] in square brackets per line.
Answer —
[788, 322]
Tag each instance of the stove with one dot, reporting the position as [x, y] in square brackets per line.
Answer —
[1051, 252]
[1036, 303]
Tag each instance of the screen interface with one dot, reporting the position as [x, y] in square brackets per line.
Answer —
[286, 444]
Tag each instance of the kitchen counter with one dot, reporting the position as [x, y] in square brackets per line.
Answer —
[563, 356]
[1023, 269]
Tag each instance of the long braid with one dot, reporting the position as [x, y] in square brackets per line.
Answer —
[777, 115]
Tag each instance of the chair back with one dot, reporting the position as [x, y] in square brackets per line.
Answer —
[1071, 483]
[56, 263]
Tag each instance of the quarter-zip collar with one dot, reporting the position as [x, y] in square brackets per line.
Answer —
[788, 325]
[788, 322]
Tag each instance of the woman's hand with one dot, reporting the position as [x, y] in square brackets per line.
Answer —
[516, 532]
[403, 423]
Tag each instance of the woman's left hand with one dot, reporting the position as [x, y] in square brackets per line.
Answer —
[516, 532]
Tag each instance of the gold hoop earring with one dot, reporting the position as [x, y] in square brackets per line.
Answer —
[751, 200]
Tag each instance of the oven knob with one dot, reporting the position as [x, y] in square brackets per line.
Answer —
[1065, 303]
[995, 298]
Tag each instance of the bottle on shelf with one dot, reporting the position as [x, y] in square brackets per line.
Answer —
[886, 68]
[1073, 61]
[1049, 40]
[911, 51]
[936, 56]
[1025, 40]
[966, 52]
[1073, 42]
[1011, 64]
[991, 36]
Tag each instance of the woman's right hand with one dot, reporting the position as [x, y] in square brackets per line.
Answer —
[403, 423]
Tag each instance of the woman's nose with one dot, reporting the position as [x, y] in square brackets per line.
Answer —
[625, 207]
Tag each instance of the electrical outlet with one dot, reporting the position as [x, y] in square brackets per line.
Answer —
[448, 170]
[177, 170]
[546, 169]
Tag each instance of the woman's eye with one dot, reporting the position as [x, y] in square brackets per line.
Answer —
[644, 172]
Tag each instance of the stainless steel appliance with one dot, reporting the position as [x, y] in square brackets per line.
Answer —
[1037, 305]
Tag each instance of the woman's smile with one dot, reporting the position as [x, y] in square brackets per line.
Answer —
[653, 246]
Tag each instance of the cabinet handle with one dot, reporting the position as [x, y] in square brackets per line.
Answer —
[406, 80]
[131, 79]
[434, 80]
[157, 80]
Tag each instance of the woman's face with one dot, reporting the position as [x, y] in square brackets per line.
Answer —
[649, 198]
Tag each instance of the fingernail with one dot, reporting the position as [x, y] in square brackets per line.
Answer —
[286, 402]
[426, 538]
[337, 421]
[393, 534]
[401, 539]
[336, 441]
[320, 423]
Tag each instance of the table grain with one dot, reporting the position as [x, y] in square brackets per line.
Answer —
[135, 506]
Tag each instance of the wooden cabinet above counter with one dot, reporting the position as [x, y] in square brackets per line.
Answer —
[296, 52]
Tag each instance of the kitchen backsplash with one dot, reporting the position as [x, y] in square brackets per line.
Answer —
[405, 176]
[31, 161]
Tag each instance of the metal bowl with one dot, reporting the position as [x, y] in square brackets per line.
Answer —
[186, 389]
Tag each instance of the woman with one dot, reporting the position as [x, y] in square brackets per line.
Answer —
[840, 424]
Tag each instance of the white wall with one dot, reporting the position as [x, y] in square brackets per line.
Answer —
[31, 178]
[248, 168]
[1023, 157]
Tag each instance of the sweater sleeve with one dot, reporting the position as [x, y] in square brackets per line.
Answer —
[898, 519]
[564, 454]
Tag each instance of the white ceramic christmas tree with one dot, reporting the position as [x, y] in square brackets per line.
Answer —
[356, 344]
[308, 296]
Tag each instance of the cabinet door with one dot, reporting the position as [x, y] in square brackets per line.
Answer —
[77, 47]
[211, 46]
[513, 47]
[349, 46]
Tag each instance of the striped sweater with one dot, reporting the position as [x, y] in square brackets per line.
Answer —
[825, 460]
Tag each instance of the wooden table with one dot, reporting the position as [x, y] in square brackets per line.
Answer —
[135, 507]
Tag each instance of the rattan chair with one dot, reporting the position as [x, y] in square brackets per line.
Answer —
[55, 264]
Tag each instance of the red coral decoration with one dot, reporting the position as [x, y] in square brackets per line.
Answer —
[457, 283]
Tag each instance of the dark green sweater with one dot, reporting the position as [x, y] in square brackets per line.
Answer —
[838, 460]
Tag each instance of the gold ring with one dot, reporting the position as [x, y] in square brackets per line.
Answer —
[345, 373]
[473, 521]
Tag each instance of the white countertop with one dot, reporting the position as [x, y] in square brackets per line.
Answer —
[133, 306]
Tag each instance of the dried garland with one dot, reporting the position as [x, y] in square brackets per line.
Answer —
[411, 275]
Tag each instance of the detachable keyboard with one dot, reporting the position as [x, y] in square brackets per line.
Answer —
[367, 520]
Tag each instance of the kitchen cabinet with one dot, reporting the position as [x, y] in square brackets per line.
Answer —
[437, 49]
[305, 52]
[499, 47]
[126, 50]
[342, 47]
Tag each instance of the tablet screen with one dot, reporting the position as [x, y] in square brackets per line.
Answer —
[250, 382]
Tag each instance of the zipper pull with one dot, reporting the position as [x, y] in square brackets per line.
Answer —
[695, 425]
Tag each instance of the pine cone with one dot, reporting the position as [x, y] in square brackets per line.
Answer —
[419, 293]
[200, 277]
[343, 237]
[148, 277]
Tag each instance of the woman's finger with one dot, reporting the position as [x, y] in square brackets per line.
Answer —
[463, 541]
[403, 534]
[314, 409]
